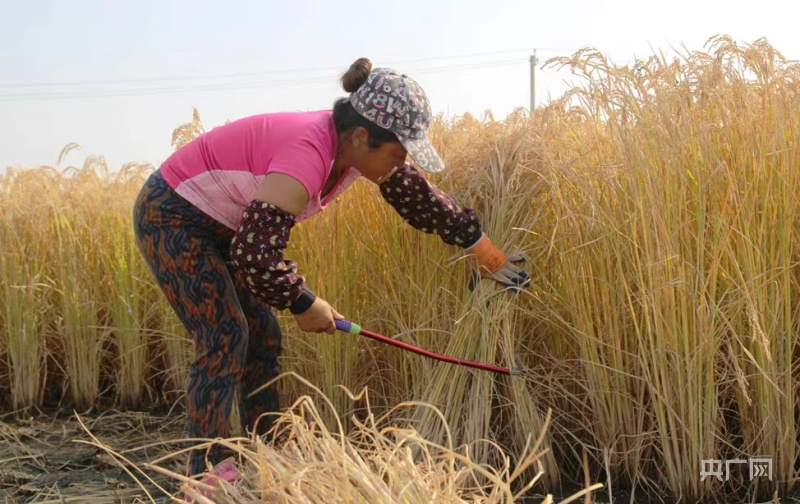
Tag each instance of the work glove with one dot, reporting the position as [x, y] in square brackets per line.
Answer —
[493, 263]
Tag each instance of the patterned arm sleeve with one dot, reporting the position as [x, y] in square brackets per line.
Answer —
[428, 209]
[257, 252]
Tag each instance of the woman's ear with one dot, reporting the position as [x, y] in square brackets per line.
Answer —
[360, 138]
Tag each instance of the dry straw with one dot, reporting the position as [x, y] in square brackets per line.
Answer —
[376, 461]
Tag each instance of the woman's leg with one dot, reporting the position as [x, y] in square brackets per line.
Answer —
[186, 252]
[262, 362]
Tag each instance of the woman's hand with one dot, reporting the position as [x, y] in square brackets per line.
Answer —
[319, 318]
[495, 264]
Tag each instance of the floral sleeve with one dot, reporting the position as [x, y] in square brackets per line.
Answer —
[428, 209]
[257, 252]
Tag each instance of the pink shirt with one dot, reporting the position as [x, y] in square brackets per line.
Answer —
[220, 170]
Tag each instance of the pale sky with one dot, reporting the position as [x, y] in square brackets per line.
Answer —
[118, 77]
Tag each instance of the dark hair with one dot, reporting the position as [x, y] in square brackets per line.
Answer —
[345, 116]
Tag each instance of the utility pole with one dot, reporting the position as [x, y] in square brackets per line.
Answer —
[534, 62]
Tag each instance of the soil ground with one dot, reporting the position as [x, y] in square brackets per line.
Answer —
[47, 459]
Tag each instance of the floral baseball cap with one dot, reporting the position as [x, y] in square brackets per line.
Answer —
[396, 102]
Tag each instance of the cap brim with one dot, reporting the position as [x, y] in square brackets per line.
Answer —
[424, 154]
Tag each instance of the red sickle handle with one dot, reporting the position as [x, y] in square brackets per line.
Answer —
[350, 327]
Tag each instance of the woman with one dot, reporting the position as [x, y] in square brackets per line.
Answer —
[213, 222]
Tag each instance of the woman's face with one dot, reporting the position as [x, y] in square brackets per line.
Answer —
[375, 164]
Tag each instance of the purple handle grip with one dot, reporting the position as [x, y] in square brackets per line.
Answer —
[347, 326]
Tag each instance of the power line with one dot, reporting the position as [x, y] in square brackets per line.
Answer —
[231, 86]
[255, 74]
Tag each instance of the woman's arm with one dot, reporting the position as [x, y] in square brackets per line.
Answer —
[263, 235]
[257, 252]
[430, 210]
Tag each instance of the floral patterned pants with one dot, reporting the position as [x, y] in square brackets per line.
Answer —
[237, 338]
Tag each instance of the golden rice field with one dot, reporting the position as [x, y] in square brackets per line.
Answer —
[657, 206]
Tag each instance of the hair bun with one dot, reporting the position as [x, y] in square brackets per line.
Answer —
[356, 75]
